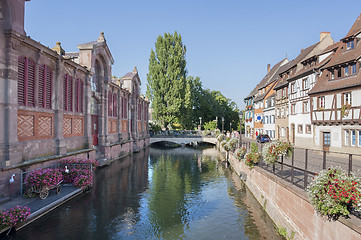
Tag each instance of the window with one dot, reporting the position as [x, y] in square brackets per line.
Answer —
[353, 69]
[300, 128]
[78, 95]
[115, 105]
[293, 87]
[68, 93]
[124, 107]
[110, 103]
[359, 138]
[332, 75]
[347, 98]
[305, 107]
[353, 137]
[305, 84]
[26, 82]
[283, 132]
[321, 102]
[45, 86]
[347, 137]
[350, 45]
[346, 71]
[308, 129]
[293, 108]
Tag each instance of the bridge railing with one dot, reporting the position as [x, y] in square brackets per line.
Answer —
[182, 133]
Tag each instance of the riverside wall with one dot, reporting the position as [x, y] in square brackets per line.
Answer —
[289, 206]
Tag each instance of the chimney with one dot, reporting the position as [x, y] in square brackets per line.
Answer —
[58, 49]
[268, 67]
[324, 34]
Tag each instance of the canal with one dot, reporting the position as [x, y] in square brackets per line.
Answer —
[180, 193]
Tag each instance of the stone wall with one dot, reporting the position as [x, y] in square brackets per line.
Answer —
[290, 208]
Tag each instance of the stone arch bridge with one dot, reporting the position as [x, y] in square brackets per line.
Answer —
[183, 140]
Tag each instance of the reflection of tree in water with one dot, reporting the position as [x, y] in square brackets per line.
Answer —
[256, 223]
[174, 177]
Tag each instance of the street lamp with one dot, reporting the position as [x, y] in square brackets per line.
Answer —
[222, 124]
[240, 114]
[200, 123]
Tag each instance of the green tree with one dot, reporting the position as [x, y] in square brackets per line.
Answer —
[167, 86]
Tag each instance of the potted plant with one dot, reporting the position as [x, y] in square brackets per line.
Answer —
[334, 193]
[14, 216]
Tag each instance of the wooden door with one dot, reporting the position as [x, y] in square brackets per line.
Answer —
[95, 128]
[326, 141]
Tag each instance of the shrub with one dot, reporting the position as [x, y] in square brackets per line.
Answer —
[240, 152]
[273, 150]
[334, 193]
[14, 216]
[43, 177]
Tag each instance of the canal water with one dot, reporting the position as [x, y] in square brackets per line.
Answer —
[181, 193]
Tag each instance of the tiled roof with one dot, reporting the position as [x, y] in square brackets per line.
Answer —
[129, 75]
[342, 56]
[259, 97]
[266, 80]
[355, 29]
[293, 63]
[252, 93]
[325, 85]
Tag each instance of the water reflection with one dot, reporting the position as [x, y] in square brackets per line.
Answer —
[159, 194]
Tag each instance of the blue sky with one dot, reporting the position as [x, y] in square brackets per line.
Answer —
[229, 43]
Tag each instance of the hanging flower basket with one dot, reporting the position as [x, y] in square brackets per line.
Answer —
[273, 150]
[240, 152]
[334, 193]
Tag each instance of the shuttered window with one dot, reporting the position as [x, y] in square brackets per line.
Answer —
[115, 105]
[124, 108]
[45, 86]
[79, 95]
[26, 82]
[68, 93]
[110, 103]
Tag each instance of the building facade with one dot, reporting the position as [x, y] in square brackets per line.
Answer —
[55, 104]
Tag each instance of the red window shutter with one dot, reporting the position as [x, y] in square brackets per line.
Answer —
[31, 83]
[21, 81]
[48, 86]
[115, 105]
[77, 95]
[65, 93]
[81, 86]
[42, 89]
[70, 93]
[109, 103]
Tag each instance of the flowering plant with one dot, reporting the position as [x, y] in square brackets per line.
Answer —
[272, 150]
[221, 137]
[334, 193]
[78, 172]
[14, 216]
[240, 152]
[231, 144]
[84, 179]
[43, 177]
[252, 156]
[223, 142]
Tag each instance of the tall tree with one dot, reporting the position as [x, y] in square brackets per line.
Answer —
[167, 82]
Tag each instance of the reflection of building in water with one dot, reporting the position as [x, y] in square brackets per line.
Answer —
[56, 104]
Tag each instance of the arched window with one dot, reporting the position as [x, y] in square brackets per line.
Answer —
[45, 86]
[26, 82]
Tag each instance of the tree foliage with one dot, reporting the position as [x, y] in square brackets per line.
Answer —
[180, 99]
[166, 86]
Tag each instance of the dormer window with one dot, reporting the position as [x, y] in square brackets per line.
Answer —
[332, 75]
[346, 71]
[350, 45]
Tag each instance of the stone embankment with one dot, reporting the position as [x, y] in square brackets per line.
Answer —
[289, 206]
